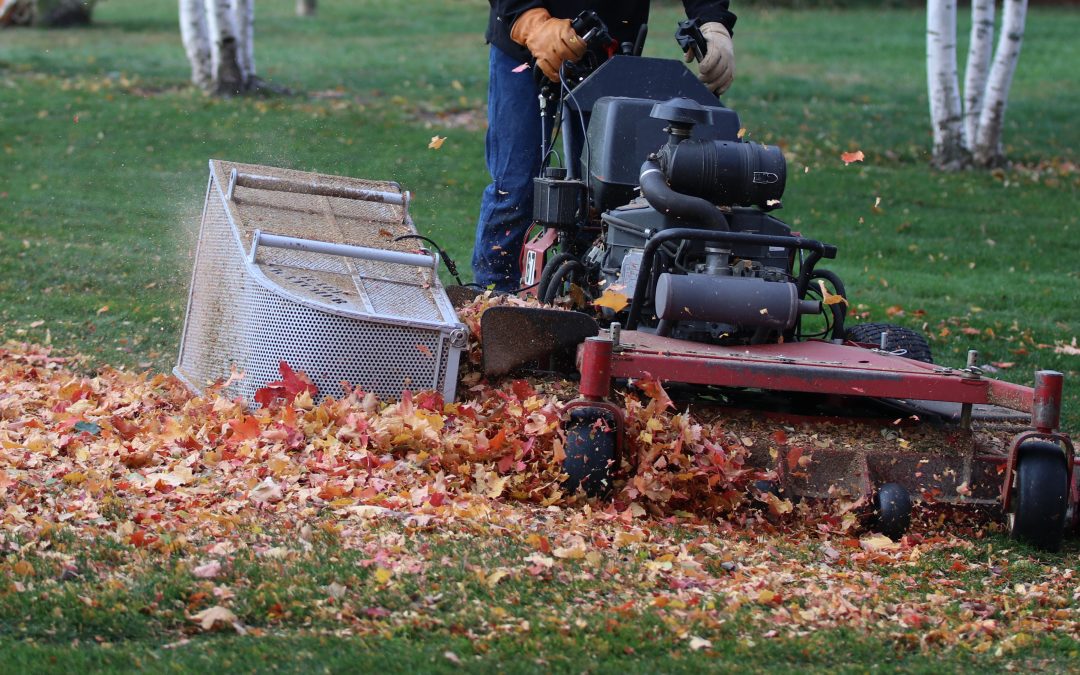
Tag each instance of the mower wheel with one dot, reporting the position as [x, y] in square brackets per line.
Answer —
[590, 450]
[1040, 498]
[912, 342]
[892, 510]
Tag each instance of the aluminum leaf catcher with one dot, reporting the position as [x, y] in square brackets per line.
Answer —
[317, 271]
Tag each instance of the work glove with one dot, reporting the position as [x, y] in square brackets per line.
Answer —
[717, 68]
[550, 40]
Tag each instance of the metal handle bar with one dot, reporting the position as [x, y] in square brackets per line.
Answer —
[348, 250]
[257, 182]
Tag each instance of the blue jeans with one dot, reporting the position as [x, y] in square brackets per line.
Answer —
[513, 159]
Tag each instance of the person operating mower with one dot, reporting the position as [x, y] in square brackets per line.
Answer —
[521, 32]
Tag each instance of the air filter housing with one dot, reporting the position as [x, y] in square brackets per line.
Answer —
[306, 268]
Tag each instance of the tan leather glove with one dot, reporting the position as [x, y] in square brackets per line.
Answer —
[717, 69]
[550, 40]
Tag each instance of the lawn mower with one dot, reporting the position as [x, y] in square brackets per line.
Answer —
[657, 218]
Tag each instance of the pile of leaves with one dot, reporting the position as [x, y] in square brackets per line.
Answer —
[137, 461]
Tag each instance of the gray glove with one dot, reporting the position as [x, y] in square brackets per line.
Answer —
[717, 69]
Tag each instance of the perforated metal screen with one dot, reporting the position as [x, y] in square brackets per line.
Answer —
[384, 327]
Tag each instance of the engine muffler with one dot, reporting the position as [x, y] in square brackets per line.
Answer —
[743, 301]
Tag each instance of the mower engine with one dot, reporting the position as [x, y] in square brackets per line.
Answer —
[708, 286]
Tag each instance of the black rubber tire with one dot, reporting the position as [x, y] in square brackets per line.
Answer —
[911, 341]
[892, 510]
[1040, 497]
[590, 450]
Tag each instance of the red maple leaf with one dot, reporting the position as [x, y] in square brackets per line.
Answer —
[292, 384]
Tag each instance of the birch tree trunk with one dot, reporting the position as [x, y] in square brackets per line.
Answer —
[196, 39]
[245, 19]
[986, 146]
[305, 7]
[946, 114]
[980, 53]
[229, 77]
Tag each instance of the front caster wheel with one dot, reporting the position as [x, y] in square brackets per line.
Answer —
[591, 439]
[892, 510]
[1040, 497]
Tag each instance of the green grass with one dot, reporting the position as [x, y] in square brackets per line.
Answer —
[98, 217]
[324, 606]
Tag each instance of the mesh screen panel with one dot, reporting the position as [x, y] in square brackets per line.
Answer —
[318, 313]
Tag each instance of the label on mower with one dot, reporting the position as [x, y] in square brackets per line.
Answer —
[530, 269]
[628, 271]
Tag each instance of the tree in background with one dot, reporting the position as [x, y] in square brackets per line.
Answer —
[219, 38]
[305, 7]
[46, 12]
[967, 130]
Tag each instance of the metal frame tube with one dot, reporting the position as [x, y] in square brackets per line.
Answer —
[347, 250]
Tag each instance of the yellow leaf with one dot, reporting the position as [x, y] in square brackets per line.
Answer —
[497, 576]
[766, 596]
[878, 542]
[208, 617]
[613, 300]
[436, 142]
[828, 298]
[383, 575]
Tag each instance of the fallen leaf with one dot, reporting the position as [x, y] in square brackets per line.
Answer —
[208, 618]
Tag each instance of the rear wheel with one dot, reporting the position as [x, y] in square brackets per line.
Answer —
[591, 438]
[912, 343]
[1040, 496]
[892, 510]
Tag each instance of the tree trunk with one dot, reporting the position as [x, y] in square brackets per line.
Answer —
[986, 146]
[945, 108]
[980, 53]
[55, 13]
[245, 24]
[196, 39]
[305, 7]
[229, 77]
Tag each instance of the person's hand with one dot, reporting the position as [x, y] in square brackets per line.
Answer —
[717, 68]
[550, 40]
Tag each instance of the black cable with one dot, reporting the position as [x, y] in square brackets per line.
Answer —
[451, 266]
[560, 276]
[549, 270]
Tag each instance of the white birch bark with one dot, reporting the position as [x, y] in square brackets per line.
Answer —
[245, 22]
[986, 145]
[980, 53]
[196, 39]
[225, 47]
[305, 7]
[946, 115]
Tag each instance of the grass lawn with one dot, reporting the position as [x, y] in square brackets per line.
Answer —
[103, 151]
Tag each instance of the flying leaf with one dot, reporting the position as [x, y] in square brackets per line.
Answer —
[520, 69]
[613, 300]
[850, 157]
[436, 142]
[828, 298]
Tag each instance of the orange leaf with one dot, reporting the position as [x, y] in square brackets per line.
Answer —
[245, 428]
[613, 300]
[654, 390]
[850, 157]
[436, 142]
